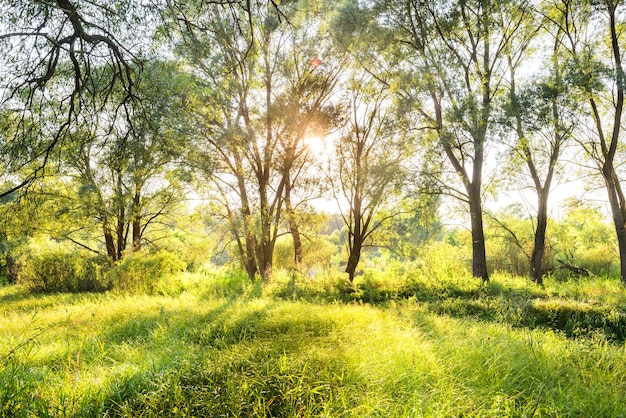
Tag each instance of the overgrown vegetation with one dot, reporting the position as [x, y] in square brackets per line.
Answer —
[165, 242]
[396, 344]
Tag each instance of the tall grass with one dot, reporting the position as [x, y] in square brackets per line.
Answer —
[302, 347]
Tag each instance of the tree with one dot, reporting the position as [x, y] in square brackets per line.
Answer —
[368, 165]
[540, 116]
[592, 38]
[449, 60]
[43, 44]
[122, 172]
[50, 51]
[263, 96]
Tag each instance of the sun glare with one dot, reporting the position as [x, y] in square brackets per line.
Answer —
[318, 146]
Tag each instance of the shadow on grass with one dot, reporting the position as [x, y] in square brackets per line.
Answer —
[17, 299]
[529, 308]
[517, 305]
[238, 360]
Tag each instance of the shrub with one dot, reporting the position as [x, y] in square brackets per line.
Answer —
[146, 273]
[317, 253]
[61, 272]
[224, 281]
[444, 260]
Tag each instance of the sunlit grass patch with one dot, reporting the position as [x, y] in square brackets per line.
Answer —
[203, 355]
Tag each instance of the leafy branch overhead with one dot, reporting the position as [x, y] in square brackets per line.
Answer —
[61, 58]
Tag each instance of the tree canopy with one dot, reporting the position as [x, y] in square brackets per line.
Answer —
[113, 116]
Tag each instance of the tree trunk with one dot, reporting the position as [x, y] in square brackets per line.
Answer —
[356, 230]
[109, 242]
[536, 258]
[354, 257]
[618, 219]
[616, 196]
[479, 255]
[267, 259]
[121, 226]
[137, 220]
[293, 224]
[297, 243]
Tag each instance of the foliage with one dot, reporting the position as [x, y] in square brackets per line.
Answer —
[317, 251]
[585, 240]
[54, 51]
[580, 242]
[60, 271]
[146, 273]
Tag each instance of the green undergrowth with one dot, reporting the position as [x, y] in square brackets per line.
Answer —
[589, 307]
[297, 346]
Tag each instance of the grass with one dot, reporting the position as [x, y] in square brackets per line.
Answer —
[298, 347]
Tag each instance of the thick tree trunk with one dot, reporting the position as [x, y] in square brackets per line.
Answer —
[354, 257]
[536, 258]
[479, 254]
[266, 254]
[109, 242]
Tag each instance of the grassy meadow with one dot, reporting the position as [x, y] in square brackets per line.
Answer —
[394, 346]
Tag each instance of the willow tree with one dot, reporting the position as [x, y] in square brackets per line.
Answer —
[449, 63]
[49, 51]
[539, 111]
[367, 171]
[264, 91]
[593, 38]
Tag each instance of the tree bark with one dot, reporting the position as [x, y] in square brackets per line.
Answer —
[249, 255]
[108, 240]
[136, 227]
[539, 246]
[616, 198]
[294, 228]
[618, 219]
[121, 218]
[479, 255]
[354, 257]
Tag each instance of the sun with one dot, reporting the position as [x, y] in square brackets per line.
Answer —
[318, 146]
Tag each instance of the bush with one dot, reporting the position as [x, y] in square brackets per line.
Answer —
[61, 272]
[444, 260]
[146, 273]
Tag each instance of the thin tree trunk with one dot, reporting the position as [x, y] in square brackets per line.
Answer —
[121, 219]
[293, 224]
[618, 220]
[616, 198]
[249, 256]
[136, 227]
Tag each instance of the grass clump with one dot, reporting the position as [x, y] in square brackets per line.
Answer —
[147, 273]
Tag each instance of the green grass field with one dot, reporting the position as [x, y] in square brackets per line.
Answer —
[220, 347]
